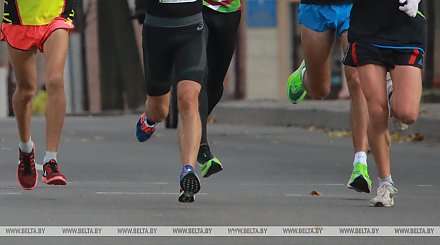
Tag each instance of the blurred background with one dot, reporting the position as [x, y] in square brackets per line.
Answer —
[104, 71]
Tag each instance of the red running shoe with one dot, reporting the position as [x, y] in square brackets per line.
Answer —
[27, 175]
[52, 175]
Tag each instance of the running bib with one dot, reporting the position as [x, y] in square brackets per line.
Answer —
[177, 1]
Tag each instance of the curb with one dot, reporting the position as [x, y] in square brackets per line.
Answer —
[333, 115]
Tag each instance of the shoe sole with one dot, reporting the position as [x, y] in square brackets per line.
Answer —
[289, 95]
[58, 180]
[359, 184]
[190, 186]
[381, 205]
[290, 82]
[215, 168]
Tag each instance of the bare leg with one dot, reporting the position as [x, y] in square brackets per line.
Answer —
[344, 93]
[407, 83]
[190, 125]
[23, 64]
[358, 108]
[157, 107]
[317, 48]
[55, 53]
[374, 89]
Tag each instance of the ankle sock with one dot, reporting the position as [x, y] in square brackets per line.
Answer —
[50, 155]
[26, 147]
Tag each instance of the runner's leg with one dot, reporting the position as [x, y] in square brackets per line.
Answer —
[373, 87]
[317, 48]
[359, 179]
[407, 90]
[190, 125]
[55, 54]
[23, 64]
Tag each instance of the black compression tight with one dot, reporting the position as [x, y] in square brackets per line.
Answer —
[222, 36]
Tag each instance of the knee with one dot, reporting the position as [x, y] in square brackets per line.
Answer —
[378, 113]
[25, 92]
[353, 82]
[55, 83]
[188, 101]
[406, 115]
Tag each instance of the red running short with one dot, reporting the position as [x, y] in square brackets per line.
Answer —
[24, 37]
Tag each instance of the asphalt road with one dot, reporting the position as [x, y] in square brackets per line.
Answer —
[269, 173]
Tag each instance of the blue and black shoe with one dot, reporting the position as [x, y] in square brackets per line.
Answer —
[143, 130]
[189, 184]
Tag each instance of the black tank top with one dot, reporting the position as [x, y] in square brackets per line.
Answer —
[381, 22]
[173, 8]
[326, 2]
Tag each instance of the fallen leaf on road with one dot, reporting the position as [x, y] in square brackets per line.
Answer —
[339, 133]
[415, 137]
[315, 193]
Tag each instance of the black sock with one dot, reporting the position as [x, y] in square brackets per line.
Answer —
[204, 153]
[203, 110]
[150, 123]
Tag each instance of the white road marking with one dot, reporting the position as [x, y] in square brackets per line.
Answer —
[322, 195]
[11, 193]
[289, 184]
[139, 193]
[117, 183]
[425, 185]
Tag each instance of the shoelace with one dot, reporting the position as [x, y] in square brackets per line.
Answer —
[51, 166]
[25, 162]
[148, 129]
[384, 191]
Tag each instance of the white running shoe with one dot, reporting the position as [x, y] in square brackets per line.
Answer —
[396, 122]
[385, 196]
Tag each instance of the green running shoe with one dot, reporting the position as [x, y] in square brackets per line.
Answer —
[210, 167]
[295, 87]
[359, 179]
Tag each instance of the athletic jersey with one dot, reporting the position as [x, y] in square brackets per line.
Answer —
[37, 12]
[326, 2]
[381, 22]
[224, 6]
[173, 8]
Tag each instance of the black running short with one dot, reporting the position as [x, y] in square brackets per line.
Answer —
[173, 45]
[360, 54]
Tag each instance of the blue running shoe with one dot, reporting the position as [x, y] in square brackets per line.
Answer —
[189, 184]
[143, 130]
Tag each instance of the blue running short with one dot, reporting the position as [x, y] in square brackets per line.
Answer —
[321, 18]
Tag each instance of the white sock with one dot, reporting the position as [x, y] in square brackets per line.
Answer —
[49, 156]
[387, 180]
[360, 157]
[26, 147]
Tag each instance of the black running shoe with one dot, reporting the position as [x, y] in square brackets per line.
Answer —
[189, 185]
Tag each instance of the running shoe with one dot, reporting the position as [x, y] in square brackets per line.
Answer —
[359, 179]
[143, 130]
[189, 184]
[385, 196]
[295, 86]
[208, 163]
[396, 122]
[27, 175]
[52, 174]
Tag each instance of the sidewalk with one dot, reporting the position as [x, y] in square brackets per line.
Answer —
[329, 114]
